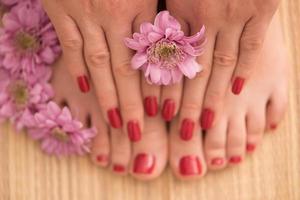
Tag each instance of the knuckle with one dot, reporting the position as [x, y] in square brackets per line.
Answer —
[251, 44]
[72, 43]
[224, 59]
[191, 107]
[132, 108]
[99, 58]
[215, 144]
[125, 70]
[214, 97]
[106, 98]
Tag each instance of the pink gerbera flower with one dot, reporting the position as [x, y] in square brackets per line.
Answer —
[28, 41]
[164, 53]
[59, 133]
[18, 97]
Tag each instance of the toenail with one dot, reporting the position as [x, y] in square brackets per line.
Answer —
[102, 158]
[250, 147]
[187, 129]
[238, 85]
[83, 83]
[151, 106]
[273, 127]
[134, 131]
[144, 164]
[217, 161]
[114, 117]
[119, 168]
[235, 159]
[168, 110]
[190, 165]
[207, 118]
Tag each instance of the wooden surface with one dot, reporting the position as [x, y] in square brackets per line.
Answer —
[272, 173]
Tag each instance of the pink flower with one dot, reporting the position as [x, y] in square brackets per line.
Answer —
[28, 41]
[9, 2]
[164, 53]
[18, 97]
[59, 133]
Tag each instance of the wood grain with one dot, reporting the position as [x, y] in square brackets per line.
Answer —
[273, 173]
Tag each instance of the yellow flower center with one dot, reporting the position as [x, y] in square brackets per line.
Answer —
[19, 93]
[60, 135]
[26, 41]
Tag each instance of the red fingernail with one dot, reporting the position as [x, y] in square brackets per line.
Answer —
[273, 127]
[190, 165]
[217, 161]
[187, 129]
[119, 168]
[250, 147]
[207, 119]
[238, 85]
[83, 83]
[235, 159]
[168, 110]
[134, 131]
[151, 106]
[102, 158]
[144, 164]
[115, 118]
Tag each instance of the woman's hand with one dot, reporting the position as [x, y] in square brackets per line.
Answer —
[91, 33]
[235, 32]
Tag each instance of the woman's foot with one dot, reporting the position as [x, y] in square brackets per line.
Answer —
[244, 119]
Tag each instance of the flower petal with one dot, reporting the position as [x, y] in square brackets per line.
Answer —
[189, 67]
[138, 60]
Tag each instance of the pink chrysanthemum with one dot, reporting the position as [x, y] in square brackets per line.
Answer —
[59, 133]
[164, 53]
[28, 41]
[18, 97]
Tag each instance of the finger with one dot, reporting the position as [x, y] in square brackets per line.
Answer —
[224, 62]
[97, 57]
[251, 43]
[127, 80]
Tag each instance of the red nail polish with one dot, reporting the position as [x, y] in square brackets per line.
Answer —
[115, 118]
[119, 168]
[207, 118]
[83, 83]
[250, 147]
[144, 164]
[134, 131]
[190, 165]
[235, 159]
[217, 161]
[187, 129]
[151, 106]
[238, 85]
[273, 127]
[102, 158]
[168, 110]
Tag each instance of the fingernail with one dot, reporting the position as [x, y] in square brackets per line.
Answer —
[102, 158]
[151, 106]
[119, 168]
[190, 165]
[273, 127]
[115, 118]
[144, 164]
[217, 161]
[83, 83]
[238, 85]
[134, 131]
[187, 129]
[207, 118]
[235, 159]
[168, 110]
[250, 147]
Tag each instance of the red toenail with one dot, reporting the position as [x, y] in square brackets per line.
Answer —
[190, 165]
[168, 110]
[119, 168]
[238, 85]
[250, 147]
[83, 83]
[273, 127]
[187, 129]
[144, 164]
[151, 106]
[102, 158]
[115, 118]
[134, 131]
[207, 118]
[235, 159]
[217, 161]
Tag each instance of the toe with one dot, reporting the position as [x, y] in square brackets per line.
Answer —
[186, 157]
[236, 139]
[120, 151]
[215, 145]
[149, 155]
